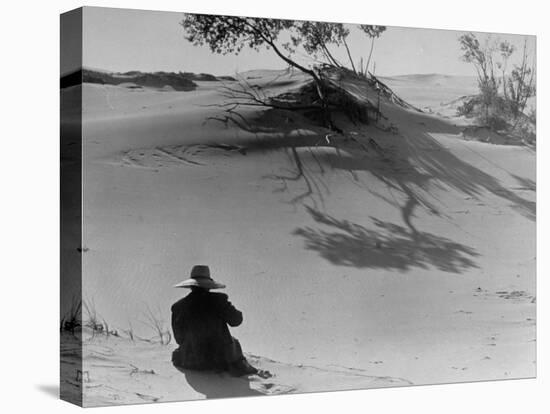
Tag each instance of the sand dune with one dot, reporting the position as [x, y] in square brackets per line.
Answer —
[422, 242]
[121, 371]
[429, 91]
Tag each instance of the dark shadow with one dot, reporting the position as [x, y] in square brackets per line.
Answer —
[417, 164]
[390, 246]
[423, 165]
[218, 384]
[525, 183]
[51, 390]
[404, 156]
[427, 154]
[288, 131]
[266, 122]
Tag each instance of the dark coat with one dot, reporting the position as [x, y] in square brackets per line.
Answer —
[199, 323]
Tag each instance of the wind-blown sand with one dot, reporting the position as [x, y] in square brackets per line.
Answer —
[356, 265]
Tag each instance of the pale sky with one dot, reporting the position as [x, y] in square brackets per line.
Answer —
[122, 40]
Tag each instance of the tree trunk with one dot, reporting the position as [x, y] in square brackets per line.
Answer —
[349, 56]
[319, 84]
[370, 54]
[329, 56]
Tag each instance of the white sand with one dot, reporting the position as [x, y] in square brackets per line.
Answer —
[119, 371]
[392, 265]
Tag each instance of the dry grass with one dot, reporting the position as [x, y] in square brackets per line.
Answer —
[130, 331]
[92, 320]
[155, 321]
[73, 318]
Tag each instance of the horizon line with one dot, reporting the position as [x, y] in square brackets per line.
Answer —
[256, 69]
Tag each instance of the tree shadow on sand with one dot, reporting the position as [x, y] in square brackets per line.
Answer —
[218, 385]
[273, 130]
[430, 156]
[526, 183]
[390, 246]
[410, 161]
[417, 165]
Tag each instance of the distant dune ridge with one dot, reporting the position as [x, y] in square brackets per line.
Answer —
[179, 81]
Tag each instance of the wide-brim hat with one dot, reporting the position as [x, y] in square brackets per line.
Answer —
[200, 277]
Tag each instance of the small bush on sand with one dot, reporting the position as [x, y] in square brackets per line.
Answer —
[503, 96]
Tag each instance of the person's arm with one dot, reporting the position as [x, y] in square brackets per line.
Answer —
[228, 312]
[177, 321]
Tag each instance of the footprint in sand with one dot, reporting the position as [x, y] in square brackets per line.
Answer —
[492, 340]
[146, 397]
[515, 295]
[274, 389]
[178, 155]
[154, 158]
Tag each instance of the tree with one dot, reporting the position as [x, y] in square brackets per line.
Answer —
[498, 111]
[316, 36]
[521, 84]
[481, 56]
[506, 50]
[229, 34]
[373, 32]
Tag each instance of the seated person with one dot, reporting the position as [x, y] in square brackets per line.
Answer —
[200, 324]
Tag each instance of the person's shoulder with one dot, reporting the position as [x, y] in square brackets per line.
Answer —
[218, 296]
[178, 304]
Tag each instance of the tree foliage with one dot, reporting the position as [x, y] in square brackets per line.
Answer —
[315, 37]
[521, 84]
[495, 109]
[374, 33]
[481, 56]
[230, 34]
